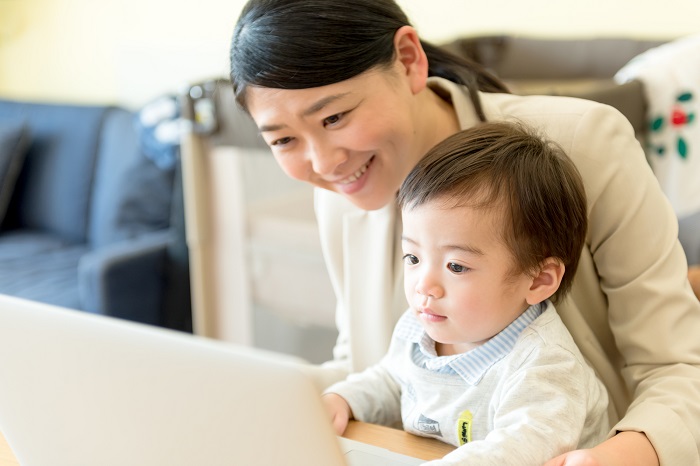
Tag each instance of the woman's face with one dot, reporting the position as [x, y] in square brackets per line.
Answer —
[358, 137]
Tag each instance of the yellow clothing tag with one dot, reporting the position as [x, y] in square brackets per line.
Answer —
[464, 427]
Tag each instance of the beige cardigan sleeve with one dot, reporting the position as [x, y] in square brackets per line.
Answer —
[360, 249]
[652, 313]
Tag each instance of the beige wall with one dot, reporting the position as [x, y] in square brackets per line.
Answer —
[558, 18]
[130, 51]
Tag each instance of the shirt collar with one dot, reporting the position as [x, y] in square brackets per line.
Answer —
[472, 365]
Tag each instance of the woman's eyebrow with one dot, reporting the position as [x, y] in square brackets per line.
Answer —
[318, 106]
[270, 128]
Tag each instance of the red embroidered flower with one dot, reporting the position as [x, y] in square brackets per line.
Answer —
[680, 116]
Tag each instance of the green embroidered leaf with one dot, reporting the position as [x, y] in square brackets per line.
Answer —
[682, 148]
[689, 118]
[685, 97]
[657, 124]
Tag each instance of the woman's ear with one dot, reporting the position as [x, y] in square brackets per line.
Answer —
[411, 57]
[546, 282]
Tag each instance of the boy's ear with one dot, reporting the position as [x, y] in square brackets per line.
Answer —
[411, 56]
[546, 282]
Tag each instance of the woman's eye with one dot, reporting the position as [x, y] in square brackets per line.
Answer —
[456, 268]
[281, 141]
[333, 119]
[410, 259]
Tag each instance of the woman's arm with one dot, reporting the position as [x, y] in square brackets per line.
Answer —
[653, 316]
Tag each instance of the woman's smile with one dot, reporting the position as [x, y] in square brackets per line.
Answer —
[357, 180]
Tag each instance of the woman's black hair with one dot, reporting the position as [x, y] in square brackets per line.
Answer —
[300, 44]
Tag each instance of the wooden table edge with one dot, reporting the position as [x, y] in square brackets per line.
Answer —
[397, 440]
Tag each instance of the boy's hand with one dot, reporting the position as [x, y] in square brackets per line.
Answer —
[340, 411]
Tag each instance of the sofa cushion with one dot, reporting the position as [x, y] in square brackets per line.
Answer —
[131, 195]
[525, 58]
[14, 137]
[41, 267]
[53, 190]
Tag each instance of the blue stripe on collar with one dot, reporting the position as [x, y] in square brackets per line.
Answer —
[472, 365]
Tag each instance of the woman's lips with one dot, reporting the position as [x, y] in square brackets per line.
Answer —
[357, 174]
[356, 181]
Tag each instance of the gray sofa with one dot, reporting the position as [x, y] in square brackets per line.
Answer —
[85, 216]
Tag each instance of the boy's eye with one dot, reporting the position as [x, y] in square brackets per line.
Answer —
[410, 259]
[456, 268]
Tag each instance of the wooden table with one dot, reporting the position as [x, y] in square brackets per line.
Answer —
[397, 440]
[391, 439]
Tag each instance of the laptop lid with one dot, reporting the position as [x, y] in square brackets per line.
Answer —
[80, 389]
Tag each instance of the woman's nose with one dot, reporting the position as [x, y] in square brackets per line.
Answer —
[324, 158]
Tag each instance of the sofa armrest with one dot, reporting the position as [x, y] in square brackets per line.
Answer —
[126, 279]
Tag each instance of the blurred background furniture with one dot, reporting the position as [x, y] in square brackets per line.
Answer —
[258, 275]
[87, 217]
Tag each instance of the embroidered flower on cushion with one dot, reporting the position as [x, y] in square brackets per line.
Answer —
[681, 115]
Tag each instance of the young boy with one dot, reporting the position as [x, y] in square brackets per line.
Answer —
[494, 221]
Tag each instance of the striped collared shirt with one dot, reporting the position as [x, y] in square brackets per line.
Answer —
[472, 365]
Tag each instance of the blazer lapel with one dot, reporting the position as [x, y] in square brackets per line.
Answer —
[370, 242]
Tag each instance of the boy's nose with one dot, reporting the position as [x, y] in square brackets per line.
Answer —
[428, 287]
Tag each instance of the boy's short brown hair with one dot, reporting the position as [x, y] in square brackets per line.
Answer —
[508, 165]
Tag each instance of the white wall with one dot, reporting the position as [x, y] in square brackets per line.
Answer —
[130, 51]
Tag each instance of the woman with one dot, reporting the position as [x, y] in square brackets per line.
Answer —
[349, 99]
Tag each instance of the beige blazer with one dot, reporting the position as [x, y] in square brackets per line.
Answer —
[631, 310]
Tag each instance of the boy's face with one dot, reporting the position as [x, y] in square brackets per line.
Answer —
[457, 274]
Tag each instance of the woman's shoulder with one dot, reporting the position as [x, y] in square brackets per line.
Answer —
[545, 108]
[583, 128]
[566, 120]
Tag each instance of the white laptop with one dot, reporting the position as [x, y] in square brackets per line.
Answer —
[79, 389]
